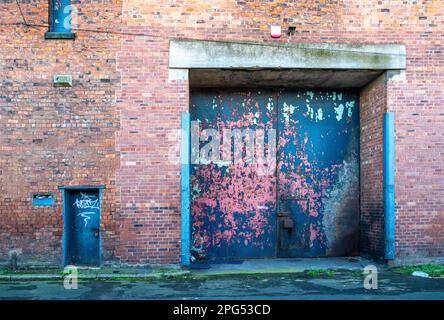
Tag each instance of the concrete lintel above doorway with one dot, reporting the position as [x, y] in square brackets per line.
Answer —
[288, 78]
[213, 64]
[200, 54]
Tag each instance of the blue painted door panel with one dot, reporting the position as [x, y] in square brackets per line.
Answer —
[233, 210]
[84, 227]
[306, 202]
[318, 173]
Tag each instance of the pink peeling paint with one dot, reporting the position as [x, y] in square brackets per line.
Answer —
[313, 233]
[234, 202]
[238, 192]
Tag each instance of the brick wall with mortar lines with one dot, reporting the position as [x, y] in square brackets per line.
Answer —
[372, 105]
[415, 24]
[419, 155]
[149, 104]
[55, 136]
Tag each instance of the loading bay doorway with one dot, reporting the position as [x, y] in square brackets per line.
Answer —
[274, 173]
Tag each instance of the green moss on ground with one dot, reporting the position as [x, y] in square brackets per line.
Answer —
[433, 270]
[31, 271]
[314, 273]
[118, 274]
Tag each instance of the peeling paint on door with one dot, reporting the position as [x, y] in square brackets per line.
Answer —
[318, 175]
[243, 205]
[234, 205]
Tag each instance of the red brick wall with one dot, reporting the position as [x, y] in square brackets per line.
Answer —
[149, 174]
[143, 217]
[412, 24]
[55, 136]
[418, 104]
[372, 105]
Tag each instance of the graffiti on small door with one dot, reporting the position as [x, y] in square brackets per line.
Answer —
[87, 201]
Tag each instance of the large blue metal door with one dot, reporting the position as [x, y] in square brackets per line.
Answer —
[84, 227]
[244, 207]
[318, 173]
[233, 175]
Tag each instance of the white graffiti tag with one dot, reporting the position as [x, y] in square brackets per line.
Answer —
[86, 215]
[87, 202]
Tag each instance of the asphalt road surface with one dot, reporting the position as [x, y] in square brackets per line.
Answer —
[295, 286]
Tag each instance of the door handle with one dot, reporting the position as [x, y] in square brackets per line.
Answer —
[96, 231]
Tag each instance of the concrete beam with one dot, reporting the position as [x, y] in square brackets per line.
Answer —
[283, 78]
[199, 54]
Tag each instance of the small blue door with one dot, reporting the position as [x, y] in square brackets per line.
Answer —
[84, 227]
